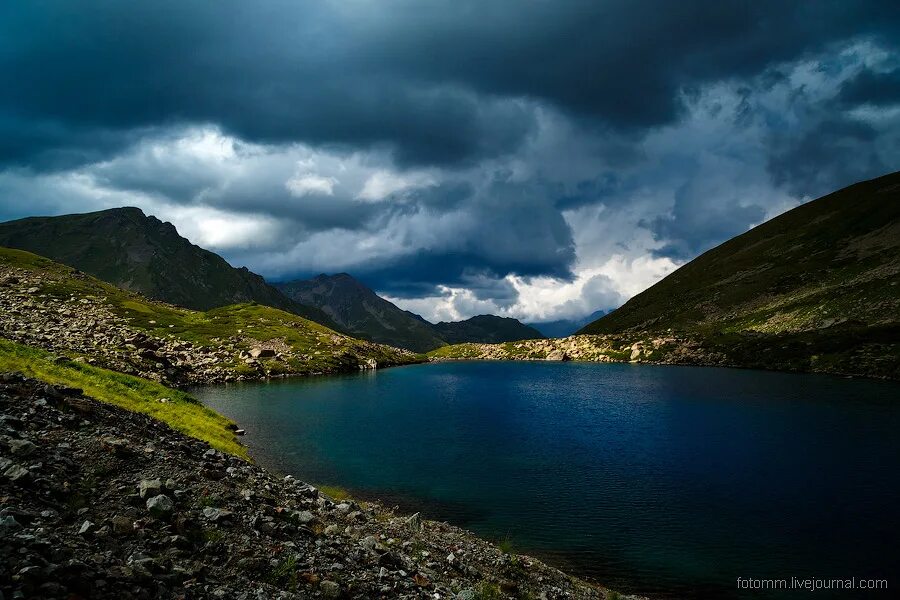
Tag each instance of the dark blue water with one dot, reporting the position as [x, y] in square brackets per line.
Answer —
[668, 481]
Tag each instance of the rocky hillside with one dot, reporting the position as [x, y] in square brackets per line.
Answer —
[362, 312]
[815, 289]
[100, 502]
[486, 329]
[52, 306]
[140, 253]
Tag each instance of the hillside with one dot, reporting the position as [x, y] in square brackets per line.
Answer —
[52, 306]
[140, 253]
[486, 329]
[815, 289]
[362, 312]
[830, 264]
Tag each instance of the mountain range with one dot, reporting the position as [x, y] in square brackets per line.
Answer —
[362, 312]
[140, 253]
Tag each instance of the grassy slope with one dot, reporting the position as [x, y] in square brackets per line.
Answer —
[834, 261]
[249, 322]
[181, 412]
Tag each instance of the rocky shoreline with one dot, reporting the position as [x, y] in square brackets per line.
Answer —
[100, 502]
[868, 353]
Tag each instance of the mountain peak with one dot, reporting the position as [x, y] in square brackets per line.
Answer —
[139, 252]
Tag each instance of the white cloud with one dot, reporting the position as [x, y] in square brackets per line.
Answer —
[309, 184]
[383, 183]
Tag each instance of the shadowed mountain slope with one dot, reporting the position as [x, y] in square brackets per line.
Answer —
[365, 314]
[362, 312]
[140, 253]
[830, 264]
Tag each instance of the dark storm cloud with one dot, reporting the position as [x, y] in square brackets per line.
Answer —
[871, 88]
[435, 82]
[421, 145]
[835, 152]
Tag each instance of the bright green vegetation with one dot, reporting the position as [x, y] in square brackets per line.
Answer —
[124, 247]
[335, 492]
[179, 410]
[457, 351]
[315, 348]
[363, 313]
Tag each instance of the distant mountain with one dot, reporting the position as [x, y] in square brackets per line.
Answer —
[816, 288]
[487, 329]
[565, 327]
[363, 313]
[140, 253]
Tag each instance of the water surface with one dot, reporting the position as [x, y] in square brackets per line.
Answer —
[668, 481]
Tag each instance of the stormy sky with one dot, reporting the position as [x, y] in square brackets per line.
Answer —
[531, 158]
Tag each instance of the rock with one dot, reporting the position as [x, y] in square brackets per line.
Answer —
[149, 487]
[369, 543]
[215, 514]
[160, 506]
[8, 524]
[467, 594]
[85, 528]
[330, 589]
[262, 353]
[558, 355]
[414, 522]
[17, 473]
[121, 525]
[304, 517]
[21, 447]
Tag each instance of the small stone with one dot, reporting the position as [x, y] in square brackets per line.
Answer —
[369, 543]
[86, 528]
[330, 589]
[467, 594]
[16, 473]
[332, 530]
[215, 514]
[149, 487]
[121, 525]
[414, 522]
[304, 517]
[170, 484]
[160, 506]
[8, 524]
[21, 447]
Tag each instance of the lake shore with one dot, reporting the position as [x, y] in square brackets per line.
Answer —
[107, 503]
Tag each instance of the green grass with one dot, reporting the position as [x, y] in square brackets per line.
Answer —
[182, 412]
[488, 591]
[335, 492]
